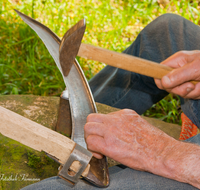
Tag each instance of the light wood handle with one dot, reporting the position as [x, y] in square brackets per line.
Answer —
[124, 61]
[38, 137]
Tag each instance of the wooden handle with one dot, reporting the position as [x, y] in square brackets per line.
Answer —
[38, 137]
[124, 61]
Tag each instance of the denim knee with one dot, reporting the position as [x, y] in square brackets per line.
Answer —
[169, 19]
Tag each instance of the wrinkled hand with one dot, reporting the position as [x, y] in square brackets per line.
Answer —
[187, 68]
[127, 138]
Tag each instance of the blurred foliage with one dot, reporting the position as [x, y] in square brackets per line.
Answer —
[26, 67]
[168, 110]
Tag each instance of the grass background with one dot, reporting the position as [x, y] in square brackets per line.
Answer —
[26, 67]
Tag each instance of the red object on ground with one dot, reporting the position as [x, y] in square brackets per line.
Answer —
[188, 129]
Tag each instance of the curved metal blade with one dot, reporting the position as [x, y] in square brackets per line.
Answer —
[81, 99]
[50, 39]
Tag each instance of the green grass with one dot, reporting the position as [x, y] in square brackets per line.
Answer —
[26, 66]
[18, 161]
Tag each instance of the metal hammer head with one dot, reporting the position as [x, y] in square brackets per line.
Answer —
[70, 44]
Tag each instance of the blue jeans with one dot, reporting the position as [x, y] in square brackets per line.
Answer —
[121, 177]
[122, 89]
[160, 39]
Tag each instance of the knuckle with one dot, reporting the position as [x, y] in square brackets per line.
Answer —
[195, 67]
[89, 141]
[198, 91]
[102, 148]
[190, 55]
[196, 62]
[86, 127]
[128, 112]
[90, 117]
[92, 142]
[196, 51]
[196, 94]
[182, 53]
[179, 92]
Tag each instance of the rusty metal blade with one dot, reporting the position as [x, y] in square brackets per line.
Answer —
[80, 97]
[70, 45]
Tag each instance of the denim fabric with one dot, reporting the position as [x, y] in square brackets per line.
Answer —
[160, 39]
[122, 89]
[121, 177]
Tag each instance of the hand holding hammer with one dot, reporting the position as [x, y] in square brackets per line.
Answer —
[72, 39]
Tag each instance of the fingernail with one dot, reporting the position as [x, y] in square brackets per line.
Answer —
[167, 80]
[189, 89]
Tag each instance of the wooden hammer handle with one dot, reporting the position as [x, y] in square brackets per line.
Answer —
[124, 61]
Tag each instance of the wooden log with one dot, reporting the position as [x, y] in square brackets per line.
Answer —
[38, 137]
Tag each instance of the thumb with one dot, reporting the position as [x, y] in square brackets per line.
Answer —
[179, 76]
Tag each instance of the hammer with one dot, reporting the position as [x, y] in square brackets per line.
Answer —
[72, 39]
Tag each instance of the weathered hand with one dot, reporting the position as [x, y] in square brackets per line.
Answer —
[132, 141]
[187, 68]
[127, 138]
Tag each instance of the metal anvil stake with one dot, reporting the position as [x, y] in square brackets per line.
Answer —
[80, 97]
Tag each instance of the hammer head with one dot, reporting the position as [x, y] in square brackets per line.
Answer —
[70, 44]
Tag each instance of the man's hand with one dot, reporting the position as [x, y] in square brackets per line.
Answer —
[187, 68]
[132, 141]
[127, 138]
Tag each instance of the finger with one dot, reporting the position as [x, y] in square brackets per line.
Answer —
[94, 128]
[185, 91]
[179, 76]
[119, 112]
[122, 112]
[181, 58]
[194, 94]
[97, 155]
[96, 144]
[177, 60]
[196, 98]
[96, 117]
[181, 90]
[158, 84]
[113, 113]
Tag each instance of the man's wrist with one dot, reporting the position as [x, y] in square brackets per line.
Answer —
[181, 161]
[164, 162]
